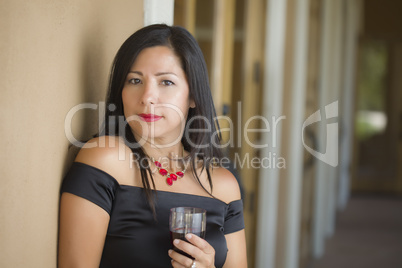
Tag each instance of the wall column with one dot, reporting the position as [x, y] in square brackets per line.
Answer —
[333, 88]
[158, 11]
[272, 103]
[347, 119]
[322, 179]
[295, 161]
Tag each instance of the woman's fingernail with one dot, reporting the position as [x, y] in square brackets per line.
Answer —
[176, 241]
[170, 251]
[189, 236]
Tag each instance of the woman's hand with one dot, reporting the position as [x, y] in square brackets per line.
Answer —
[200, 249]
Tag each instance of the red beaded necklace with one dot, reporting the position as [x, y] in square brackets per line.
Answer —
[170, 177]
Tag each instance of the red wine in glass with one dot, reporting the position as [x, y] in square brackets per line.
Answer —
[184, 220]
[181, 234]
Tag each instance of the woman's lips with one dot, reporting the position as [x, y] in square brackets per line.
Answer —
[149, 117]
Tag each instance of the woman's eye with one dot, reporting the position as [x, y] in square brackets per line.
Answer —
[134, 81]
[167, 83]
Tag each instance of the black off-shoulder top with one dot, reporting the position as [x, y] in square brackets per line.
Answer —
[134, 238]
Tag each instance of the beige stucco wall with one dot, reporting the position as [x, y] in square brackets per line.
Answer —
[54, 54]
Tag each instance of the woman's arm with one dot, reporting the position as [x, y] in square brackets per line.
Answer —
[83, 224]
[227, 189]
[82, 232]
[237, 257]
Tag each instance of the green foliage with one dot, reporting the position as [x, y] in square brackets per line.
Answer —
[372, 76]
[371, 85]
[364, 130]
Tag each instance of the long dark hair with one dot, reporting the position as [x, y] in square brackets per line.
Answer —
[199, 144]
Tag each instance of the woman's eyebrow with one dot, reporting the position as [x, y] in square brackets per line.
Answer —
[164, 73]
[157, 74]
[136, 72]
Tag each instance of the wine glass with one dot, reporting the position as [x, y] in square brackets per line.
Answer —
[184, 220]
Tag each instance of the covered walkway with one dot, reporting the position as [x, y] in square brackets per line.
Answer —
[368, 234]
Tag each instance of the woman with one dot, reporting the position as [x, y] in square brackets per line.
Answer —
[115, 201]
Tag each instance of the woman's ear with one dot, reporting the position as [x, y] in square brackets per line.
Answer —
[192, 103]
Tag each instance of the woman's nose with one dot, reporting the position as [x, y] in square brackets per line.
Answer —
[150, 94]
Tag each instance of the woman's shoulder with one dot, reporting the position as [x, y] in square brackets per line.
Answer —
[225, 185]
[109, 154]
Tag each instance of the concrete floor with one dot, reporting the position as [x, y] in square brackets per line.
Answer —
[368, 234]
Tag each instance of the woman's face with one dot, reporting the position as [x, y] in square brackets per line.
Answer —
[156, 96]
